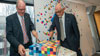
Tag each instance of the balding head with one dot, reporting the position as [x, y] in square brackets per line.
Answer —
[21, 6]
[20, 3]
[58, 7]
[59, 10]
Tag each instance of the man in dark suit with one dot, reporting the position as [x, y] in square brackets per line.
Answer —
[18, 27]
[67, 32]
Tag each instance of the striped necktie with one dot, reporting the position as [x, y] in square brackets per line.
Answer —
[24, 31]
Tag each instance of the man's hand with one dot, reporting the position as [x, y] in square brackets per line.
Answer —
[50, 38]
[35, 34]
[21, 50]
[38, 41]
[51, 33]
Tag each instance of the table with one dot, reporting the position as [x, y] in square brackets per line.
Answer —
[66, 52]
[62, 52]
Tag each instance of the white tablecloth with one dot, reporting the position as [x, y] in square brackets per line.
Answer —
[66, 52]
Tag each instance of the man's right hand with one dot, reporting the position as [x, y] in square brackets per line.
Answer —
[38, 41]
[51, 33]
[21, 50]
[50, 38]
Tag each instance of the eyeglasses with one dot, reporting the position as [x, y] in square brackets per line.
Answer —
[21, 9]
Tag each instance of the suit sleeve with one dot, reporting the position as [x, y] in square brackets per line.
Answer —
[53, 25]
[9, 34]
[76, 30]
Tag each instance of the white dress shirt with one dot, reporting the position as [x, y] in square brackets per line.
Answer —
[19, 18]
[63, 20]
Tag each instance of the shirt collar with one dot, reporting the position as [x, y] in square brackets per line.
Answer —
[63, 15]
[19, 16]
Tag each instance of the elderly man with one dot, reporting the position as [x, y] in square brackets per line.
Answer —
[67, 29]
[18, 27]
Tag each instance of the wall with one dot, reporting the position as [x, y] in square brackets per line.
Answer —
[44, 11]
[97, 8]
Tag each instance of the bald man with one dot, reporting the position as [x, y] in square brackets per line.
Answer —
[67, 29]
[18, 28]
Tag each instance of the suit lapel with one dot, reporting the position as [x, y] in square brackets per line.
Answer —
[66, 21]
[66, 17]
[17, 22]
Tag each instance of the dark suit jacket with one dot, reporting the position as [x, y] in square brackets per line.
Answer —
[72, 40]
[14, 32]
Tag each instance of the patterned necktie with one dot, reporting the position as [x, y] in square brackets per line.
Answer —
[62, 29]
[24, 31]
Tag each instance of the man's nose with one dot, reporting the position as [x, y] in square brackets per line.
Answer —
[22, 10]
